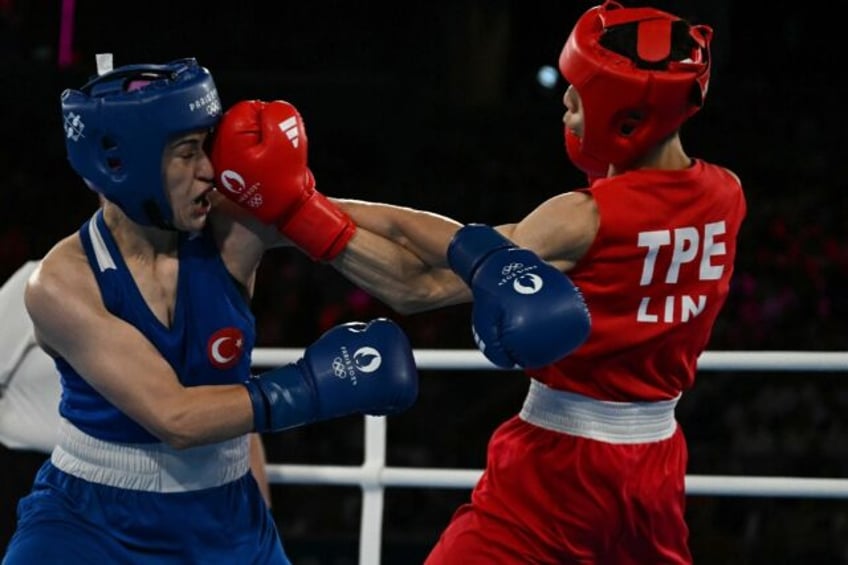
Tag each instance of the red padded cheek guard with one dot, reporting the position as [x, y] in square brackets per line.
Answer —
[593, 168]
[627, 109]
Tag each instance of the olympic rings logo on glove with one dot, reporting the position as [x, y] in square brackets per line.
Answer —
[511, 268]
[364, 360]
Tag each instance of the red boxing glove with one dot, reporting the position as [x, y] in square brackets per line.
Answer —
[259, 154]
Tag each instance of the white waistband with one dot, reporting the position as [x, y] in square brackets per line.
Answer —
[602, 420]
[154, 467]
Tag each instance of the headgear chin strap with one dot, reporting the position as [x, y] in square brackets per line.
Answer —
[118, 125]
[631, 105]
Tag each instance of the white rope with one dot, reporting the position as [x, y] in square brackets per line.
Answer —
[471, 359]
[696, 485]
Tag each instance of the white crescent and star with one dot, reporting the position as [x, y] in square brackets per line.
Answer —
[215, 349]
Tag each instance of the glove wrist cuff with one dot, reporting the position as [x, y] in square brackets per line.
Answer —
[261, 409]
[319, 227]
[470, 245]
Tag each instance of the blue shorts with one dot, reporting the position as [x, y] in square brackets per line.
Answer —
[68, 520]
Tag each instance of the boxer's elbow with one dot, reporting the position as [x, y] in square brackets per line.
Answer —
[177, 426]
[176, 434]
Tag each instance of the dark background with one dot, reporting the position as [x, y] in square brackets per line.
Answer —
[435, 105]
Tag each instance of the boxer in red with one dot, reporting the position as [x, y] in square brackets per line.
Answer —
[592, 469]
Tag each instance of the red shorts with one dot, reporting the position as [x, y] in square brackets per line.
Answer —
[548, 497]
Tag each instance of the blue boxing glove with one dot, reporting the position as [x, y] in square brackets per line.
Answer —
[354, 368]
[525, 311]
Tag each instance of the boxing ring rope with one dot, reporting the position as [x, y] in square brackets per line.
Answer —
[373, 476]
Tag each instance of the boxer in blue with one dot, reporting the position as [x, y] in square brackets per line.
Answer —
[145, 311]
[30, 392]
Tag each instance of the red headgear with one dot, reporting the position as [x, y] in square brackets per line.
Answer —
[629, 106]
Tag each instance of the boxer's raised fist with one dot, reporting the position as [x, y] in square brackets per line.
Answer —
[526, 312]
[354, 368]
[259, 154]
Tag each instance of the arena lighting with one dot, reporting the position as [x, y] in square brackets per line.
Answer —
[547, 76]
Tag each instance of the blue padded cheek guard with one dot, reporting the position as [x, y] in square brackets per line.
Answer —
[115, 138]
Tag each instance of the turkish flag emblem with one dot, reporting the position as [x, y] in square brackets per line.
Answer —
[225, 347]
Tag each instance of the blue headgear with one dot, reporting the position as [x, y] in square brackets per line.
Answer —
[115, 136]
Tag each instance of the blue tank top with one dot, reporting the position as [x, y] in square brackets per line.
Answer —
[209, 342]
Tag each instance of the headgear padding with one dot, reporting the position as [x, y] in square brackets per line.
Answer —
[116, 135]
[629, 105]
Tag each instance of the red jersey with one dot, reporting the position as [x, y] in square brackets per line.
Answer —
[654, 279]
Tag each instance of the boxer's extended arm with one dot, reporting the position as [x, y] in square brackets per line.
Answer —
[401, 254]
[398, 255]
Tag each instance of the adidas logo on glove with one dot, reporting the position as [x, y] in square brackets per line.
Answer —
[289, 127]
